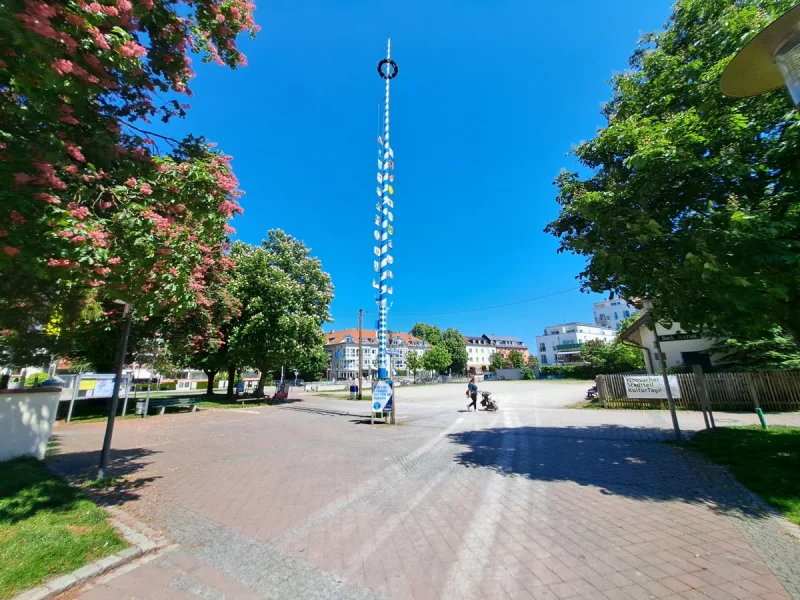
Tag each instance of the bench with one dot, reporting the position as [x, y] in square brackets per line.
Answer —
[162, 403]
[249, 397]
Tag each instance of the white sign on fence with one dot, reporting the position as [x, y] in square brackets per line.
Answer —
[650, 386]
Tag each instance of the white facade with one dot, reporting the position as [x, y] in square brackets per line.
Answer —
[342, 351]
[680, 348]
[561, 344]
[479, 353]
[609, 313]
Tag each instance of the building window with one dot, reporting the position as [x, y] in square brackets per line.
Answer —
[627, 313]
[544, 359]
[542, 347]
[616, 317]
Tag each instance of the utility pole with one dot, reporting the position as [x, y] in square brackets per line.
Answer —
[663, 362]
[122, 350]
[360, 352]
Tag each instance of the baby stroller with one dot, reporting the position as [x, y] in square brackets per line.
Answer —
[487, 403]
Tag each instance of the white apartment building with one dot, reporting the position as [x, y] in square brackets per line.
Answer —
[562, 344]
[342, 350]
[609, 313]
[480, 349]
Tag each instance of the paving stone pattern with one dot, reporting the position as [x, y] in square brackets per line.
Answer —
[307, 500]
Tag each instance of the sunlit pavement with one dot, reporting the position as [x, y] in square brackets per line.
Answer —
[308, 500]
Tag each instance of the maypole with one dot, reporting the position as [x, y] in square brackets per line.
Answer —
[387, 69]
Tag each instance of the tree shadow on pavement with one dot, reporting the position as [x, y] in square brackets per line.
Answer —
[621, 461]
[124, 480]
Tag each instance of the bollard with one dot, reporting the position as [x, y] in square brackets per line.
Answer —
[761, 418]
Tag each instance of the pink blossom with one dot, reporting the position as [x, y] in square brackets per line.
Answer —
[3, 233]
[146, 189]
[59, 262]
[64, 233]
[130, 49]
[130, 181]
[71, 169]
[17, 218]
[75, 153]
[103, 271]
[69, 120]
[78, 239]
[114, 260]
[22, 178]
[79, 212]
[62, 66]
[228, 229]
[11, 250]
[220, 17]
[49, 198]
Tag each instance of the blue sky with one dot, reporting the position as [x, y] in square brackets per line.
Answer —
[489, 99]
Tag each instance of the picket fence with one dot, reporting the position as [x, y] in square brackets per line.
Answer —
[727, 391]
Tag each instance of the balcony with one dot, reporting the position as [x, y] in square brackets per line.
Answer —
[566, 347]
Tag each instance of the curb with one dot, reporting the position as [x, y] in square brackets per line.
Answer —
[142, 540]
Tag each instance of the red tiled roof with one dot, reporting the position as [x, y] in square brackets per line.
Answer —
[337, 337]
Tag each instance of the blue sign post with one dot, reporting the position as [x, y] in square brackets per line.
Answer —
[382, 396]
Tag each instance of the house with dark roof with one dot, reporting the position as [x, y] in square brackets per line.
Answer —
[480, 349]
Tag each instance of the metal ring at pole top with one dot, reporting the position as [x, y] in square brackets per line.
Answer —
[389, 73]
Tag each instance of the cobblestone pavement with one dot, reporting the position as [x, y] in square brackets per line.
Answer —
[307, 500]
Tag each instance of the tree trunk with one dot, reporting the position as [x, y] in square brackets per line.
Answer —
[231, 381]
[210, 375]
[261, 381]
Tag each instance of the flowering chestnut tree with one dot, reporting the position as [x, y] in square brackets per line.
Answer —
[95, 205]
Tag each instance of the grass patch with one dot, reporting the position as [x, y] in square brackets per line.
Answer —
[47, 528]
[593, 404]
[765, 461]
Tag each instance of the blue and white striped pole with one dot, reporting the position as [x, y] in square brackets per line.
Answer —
[387, 69]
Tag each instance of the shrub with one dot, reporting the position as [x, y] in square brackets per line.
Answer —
[168, 386]
[570, 371]
[35, 379]
[527, 373]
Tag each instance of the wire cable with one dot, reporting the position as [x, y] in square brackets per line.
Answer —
[469, 310]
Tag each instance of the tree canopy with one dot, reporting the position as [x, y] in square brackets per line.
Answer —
[775, 352]
[456, 348]
[430, 333]
[285, 296]
[436, 359]
[98, 207]
[516, 359]
[615, 357]
[687, 197]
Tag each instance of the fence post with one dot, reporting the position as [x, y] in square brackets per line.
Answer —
[702, 394]
[753, 391]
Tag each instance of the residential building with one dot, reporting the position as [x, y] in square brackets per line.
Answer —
[480, 349]
[562, 344]
[342, 350]
[609, 313]
[680, 348]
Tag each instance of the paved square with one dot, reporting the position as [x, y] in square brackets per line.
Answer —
[307, 500]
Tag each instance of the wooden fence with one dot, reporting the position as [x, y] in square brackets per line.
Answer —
[726, 391]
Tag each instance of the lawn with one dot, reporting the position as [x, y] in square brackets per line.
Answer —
[47, 528]
[89, 411]
[765, 461]
[342, 395]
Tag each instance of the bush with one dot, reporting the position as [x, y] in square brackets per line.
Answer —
[35, 379]
[168, 386]
[527, 373]
[202, 385]
[570, 371]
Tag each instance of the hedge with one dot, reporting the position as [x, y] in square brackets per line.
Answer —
[570, 371]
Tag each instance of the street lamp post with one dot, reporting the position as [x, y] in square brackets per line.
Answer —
[122, 350]
[769, 61]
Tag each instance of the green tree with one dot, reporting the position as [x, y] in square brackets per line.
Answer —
[497, 361]
[516, 359]
[690, 198]
[612, 358]
[312, 365]
[285, 297]
[96, 206]
[528, 373]
[414, 362]
[775, 352]
[457, 348]
[430, 333]
[436, 359]
[533, 361]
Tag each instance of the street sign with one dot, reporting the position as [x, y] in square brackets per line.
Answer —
[382, 397]
[394, 353]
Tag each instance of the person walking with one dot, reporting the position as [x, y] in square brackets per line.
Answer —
[472, 393]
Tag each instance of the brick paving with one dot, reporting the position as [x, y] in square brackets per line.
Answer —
[307, 500]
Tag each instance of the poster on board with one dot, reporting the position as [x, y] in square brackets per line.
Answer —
[650, 386]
